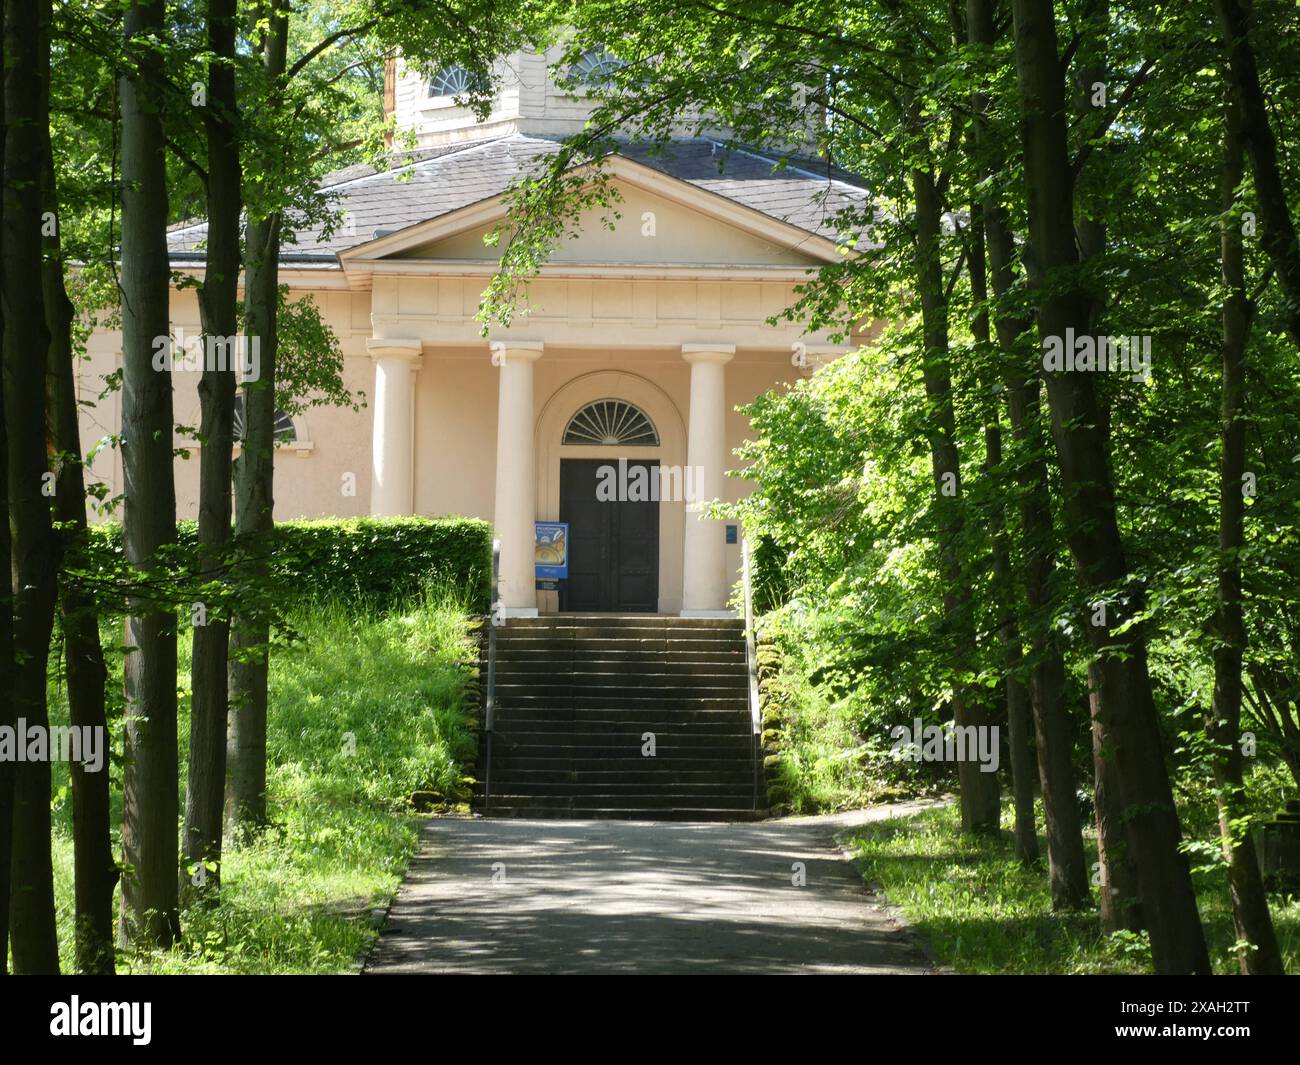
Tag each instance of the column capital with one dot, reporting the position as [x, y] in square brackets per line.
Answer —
[515, 350]
[395, 348]
[694, 352]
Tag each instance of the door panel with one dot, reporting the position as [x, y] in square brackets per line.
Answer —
[613, 545]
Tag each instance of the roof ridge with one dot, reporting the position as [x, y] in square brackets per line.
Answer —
[756, 153]
[455, 149]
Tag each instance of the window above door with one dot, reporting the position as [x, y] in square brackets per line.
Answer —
[611, 423]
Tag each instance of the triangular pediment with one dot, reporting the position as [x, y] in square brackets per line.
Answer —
[661, 220]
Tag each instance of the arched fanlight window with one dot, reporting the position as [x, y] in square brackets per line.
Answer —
[596, 67]
[453, 81]
[610, 422]
[285, 431]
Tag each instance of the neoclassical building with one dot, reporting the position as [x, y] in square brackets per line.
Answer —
[641, 342]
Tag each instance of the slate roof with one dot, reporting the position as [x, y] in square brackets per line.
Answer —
[432, 182]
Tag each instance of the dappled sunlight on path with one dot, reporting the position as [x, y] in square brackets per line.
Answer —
[635, 896]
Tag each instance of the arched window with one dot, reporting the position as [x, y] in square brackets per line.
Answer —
[610, 422]
[453, 81]
[596, 67]
[285, 431]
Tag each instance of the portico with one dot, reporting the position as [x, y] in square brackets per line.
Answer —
[618, 333]
[678, 400]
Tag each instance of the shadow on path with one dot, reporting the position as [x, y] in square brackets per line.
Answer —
[514, 896]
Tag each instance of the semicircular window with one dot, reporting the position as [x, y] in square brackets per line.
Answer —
[611, 422]
[453, 81]
[284, 427]
[596, 67]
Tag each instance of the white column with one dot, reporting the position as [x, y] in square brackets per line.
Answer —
[516, 474]
[392, 483]
[705, 588]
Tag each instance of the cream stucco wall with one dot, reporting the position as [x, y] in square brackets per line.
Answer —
[314, 476]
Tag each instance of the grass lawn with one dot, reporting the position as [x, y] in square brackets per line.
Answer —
[983, 912]
[365, 708]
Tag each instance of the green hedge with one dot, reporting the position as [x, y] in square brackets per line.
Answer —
[376, 560]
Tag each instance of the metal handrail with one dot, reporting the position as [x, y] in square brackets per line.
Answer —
[751, 661]
[495, 618]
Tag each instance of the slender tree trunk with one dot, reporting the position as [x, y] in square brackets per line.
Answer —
[33, 938]
[1260, 954]
[201, 839]
[980, 808]
[1054, 744]
[96, 873]
[1277, 231]
[149, 791]
[8, 703]
[254, 492]
[1019, 715]
[1119, 909]
[1125, 700]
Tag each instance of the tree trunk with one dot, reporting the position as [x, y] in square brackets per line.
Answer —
[1019, 715]
[33, 938]
[980, 809]
[1054, 743]
[254, 493]
[1277, 232]
[149, 790]
[1260, 954]
[96, 873]
[8, 704]
[1125, 701]
[1119, 908]
[201, 838]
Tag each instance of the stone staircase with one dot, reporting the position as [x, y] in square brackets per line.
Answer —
[576, 696]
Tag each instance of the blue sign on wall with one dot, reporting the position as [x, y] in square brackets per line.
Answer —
[551, 550]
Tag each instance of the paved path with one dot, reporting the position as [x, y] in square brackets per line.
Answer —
[641, 897]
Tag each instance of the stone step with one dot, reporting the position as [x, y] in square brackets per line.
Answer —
[517, 644]
[512, 669]
[628, 714]
[605, 732]
[618, 659]
[621, 699]
[525, 809]
[728, 780]
[582, 682]
[615, 762]
[730, 698]
[645, 800]
[623, 621]
[596, 750]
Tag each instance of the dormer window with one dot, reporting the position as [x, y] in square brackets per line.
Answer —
[596, 68]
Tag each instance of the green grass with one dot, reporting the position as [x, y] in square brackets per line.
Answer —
[298, 897]
[983, 912]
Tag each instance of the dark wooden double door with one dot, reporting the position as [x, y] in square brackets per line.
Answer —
[613, 544]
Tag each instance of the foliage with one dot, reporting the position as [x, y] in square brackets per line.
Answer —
[298, 897]
[374, 561]
[982, 911]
